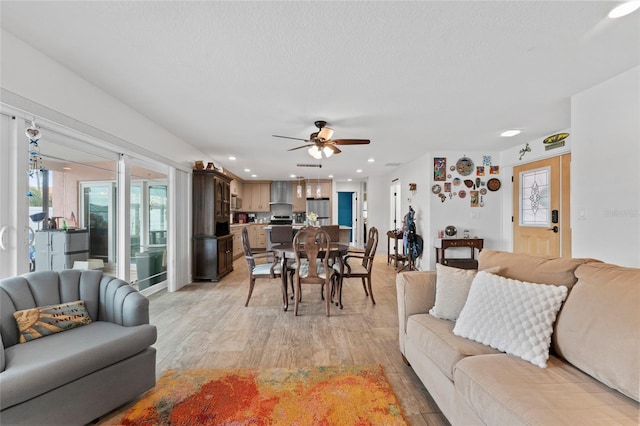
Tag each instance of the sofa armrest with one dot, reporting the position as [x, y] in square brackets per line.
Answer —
[122, 304]
[2, 359]
[416, 293]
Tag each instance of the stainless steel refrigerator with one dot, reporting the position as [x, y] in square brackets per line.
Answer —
[321, 207]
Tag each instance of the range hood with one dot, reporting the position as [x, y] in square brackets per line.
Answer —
[281, 192]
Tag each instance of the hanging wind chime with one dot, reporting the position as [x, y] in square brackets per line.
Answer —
[35, 160]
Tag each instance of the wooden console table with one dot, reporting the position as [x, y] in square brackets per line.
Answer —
[395, 255]
[441, 244]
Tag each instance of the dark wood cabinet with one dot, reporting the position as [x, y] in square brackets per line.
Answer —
[212, 242]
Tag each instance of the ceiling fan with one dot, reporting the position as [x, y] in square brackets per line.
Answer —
[320, 142]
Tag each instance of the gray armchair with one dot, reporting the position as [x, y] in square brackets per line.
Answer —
[77, 375]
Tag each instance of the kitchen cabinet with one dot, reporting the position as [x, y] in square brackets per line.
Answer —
[257, 197]
[311, 189]
[236, 233]
[212, 243]
[236, 188]
[261, 237]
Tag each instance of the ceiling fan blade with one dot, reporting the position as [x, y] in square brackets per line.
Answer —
[351, 141]
[300, 147]
[287, 137]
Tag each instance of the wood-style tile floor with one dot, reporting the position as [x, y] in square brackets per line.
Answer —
[206, 325]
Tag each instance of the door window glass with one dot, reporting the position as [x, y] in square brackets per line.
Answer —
[535, 197]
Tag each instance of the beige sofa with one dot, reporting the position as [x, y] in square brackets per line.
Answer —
[592, 374]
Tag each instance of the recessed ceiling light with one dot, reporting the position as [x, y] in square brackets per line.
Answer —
[247, 170]
[624, 9]
[66, 168]
[292, 176]
[349, 180]
[330, 176]
[509, 133]
[254, 175]
[232, 158]
[371, 160]
[359, 171]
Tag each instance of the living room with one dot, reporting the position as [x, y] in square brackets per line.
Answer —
[599, 113]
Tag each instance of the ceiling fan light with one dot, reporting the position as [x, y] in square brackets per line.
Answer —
[328, 152]
[325, 133]
[315, 152]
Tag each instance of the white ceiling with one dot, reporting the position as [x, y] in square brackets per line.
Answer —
[411, 76]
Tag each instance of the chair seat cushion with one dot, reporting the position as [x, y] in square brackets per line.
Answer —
[64, 357]
[265, 269]
[356, 269]
[304, 270]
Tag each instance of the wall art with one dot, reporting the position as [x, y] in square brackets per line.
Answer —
[439, 168]
[473, 198]
[465, 166]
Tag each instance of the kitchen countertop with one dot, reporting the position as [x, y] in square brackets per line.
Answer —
[268, 226]
[300, 225]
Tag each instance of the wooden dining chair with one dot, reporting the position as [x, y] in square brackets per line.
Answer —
[262, 269]
[281, 234]
[362, 269]
[312, 247]
[333, 231]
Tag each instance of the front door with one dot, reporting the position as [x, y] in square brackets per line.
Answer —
[541, 219]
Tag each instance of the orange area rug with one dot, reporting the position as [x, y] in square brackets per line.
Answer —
[341, 395]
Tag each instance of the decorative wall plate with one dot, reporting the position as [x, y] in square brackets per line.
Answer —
[483, 191]
[555, 138]
[457, 181]
[462, 193]
[451, 231]
[436, 189]
[465, 166]
[493, 184]
[468, 183]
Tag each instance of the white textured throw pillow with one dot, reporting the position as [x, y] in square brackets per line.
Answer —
[512, 316]
[452, 288]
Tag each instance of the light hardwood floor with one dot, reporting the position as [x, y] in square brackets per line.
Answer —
[206, 325]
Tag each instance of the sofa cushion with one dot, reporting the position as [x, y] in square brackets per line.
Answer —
[435, 339]
[38, 366]
[598, 327]
[452, 288]
[512, 316]
[46, 320]
[533, 269]
[504, 390]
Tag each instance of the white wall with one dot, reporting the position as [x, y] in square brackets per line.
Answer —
[605, 170]
[432, 214]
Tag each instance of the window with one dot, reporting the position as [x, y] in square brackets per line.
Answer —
[535, 197]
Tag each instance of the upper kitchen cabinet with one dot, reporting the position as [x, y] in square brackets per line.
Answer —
[236, 188]
[319, 189]
[256, 197]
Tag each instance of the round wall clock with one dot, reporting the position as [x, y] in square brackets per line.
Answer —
[465, 166]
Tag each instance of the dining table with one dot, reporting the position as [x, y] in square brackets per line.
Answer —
[286, 251]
